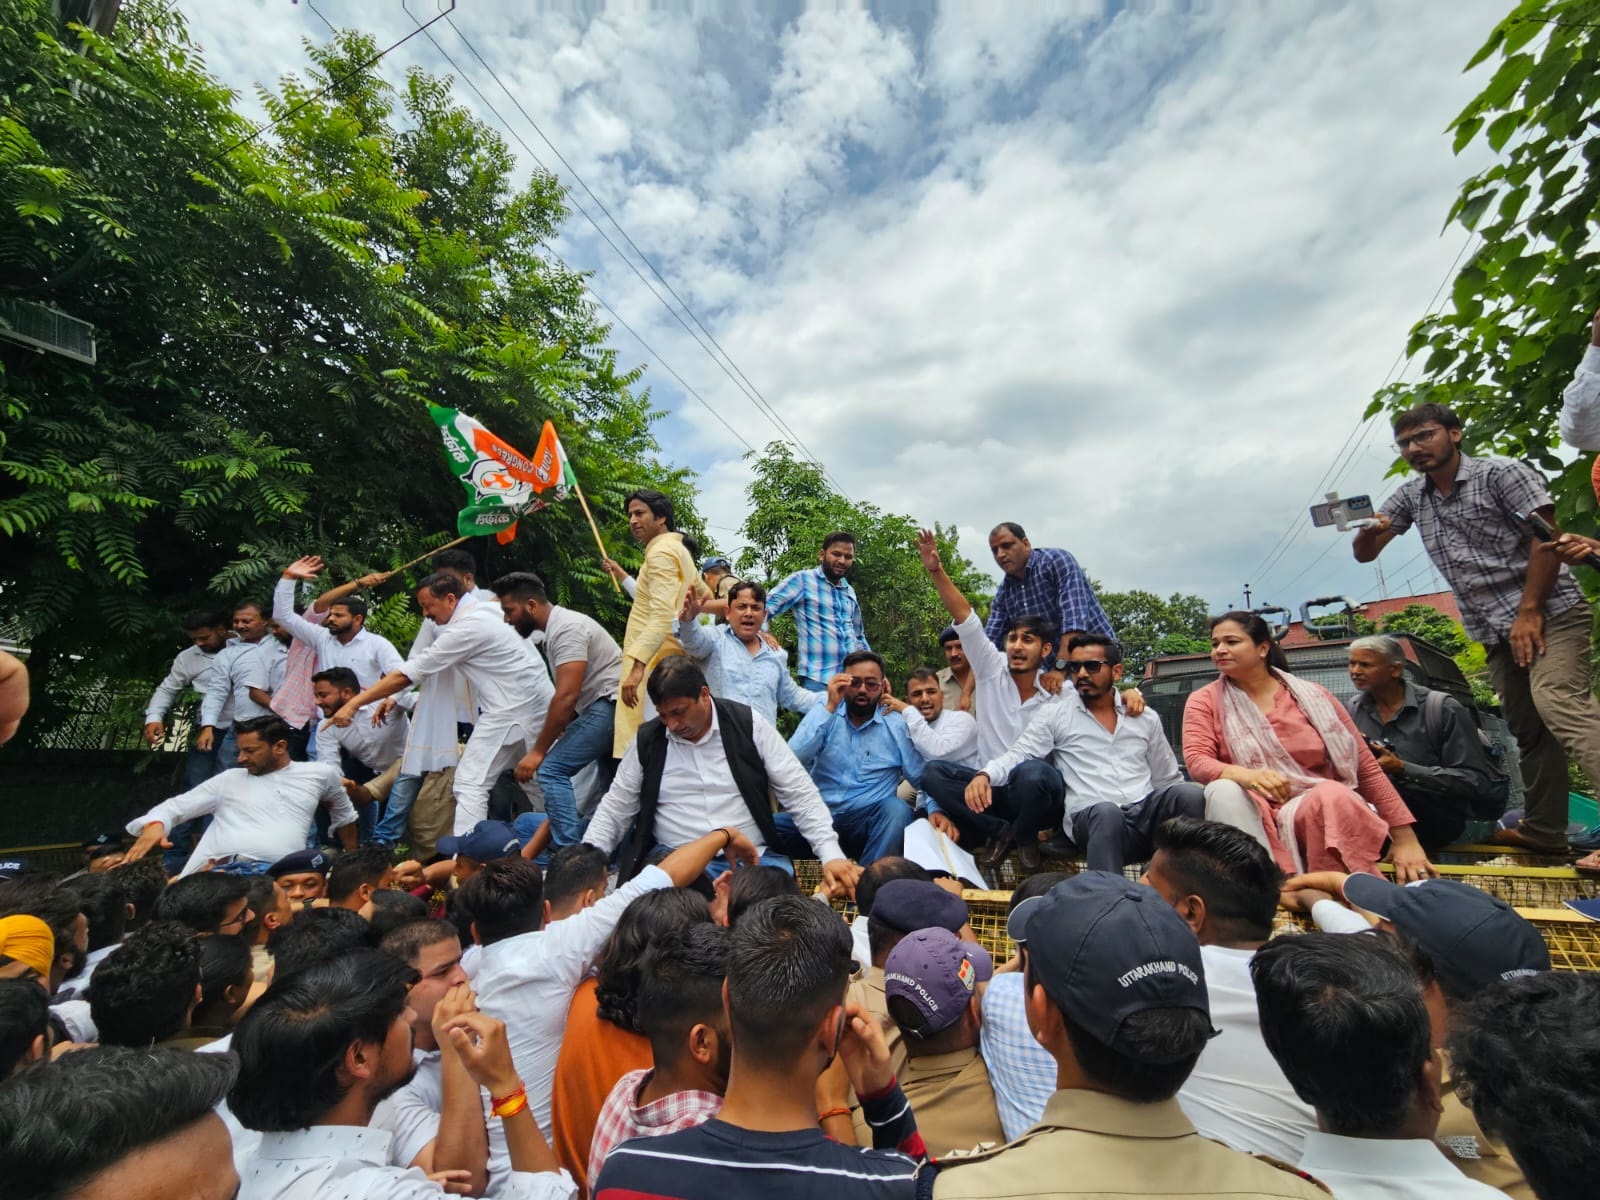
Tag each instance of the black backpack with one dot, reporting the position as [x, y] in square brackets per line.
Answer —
[1490, 802]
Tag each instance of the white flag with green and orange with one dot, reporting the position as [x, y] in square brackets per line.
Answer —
[501, 482]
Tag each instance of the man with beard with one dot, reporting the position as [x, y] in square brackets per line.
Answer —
[1516, 597]
[856, 751]
[342, 640]
[259, 814]
[1009, 695]
[826, 611]
[344, 1025]
[1121, 775]
[740, 664]
[581, 719]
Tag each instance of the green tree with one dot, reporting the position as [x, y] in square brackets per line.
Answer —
[1519, 307]
[1429, 624]
[793, 507]
[1148, 627]
[273, 312]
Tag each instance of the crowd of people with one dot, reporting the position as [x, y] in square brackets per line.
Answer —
[516, 913]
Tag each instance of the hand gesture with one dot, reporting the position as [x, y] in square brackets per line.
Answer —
[380, 714]
[1573, 548]
[408, 875]
[928, 551]
[945, 826]
[205, 738]
[742, 852]
[456, 1002]
[1133, 701]
[1330, 883]
[343, 716]
[308, 567]
[837, 687]
[839, 877]
[480, 1041]
[614, 569]
[979, 793]
[453, 1182]
[690, 609]
[150, 837]
[865, 1053]
[1271, 784]
[528, 764]
[1527, 637]
[772, 642]
[1052, 681]
[630, 686]
[155, 733]
[1388, 760]
[374, 579]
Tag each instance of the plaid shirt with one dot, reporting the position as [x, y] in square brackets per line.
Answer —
[1021, 1071]
[1053, 586]
[1476, 542]
[293, 700]
[829, 619]
[622, 1119]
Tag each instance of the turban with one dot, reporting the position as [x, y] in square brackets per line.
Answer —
[29, 941]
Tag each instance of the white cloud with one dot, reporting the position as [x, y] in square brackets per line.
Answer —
[1127, 276]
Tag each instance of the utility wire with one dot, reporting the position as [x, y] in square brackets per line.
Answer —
[740, 380]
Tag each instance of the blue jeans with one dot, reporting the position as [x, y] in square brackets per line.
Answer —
[720, 865]
[587, 739]
[868, 829]
[242, 866]
[397, 814]
[227, 752]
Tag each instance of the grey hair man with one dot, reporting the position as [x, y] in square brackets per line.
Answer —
[1426, 741]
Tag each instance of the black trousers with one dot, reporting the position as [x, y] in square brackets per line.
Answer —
[1112, 835]
[1032, 799]
[1441, 819]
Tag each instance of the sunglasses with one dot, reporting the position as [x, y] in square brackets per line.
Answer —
[1091, 665]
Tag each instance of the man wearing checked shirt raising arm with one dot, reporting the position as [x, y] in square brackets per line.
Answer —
[826, 611]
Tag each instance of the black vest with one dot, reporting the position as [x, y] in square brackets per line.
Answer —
[744, 762]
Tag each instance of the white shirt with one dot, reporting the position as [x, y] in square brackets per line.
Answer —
[1388, 1169]
[698, 793]
[260, 817]
[227, 697]
[1580, 404]
[1237, 1093]
[191, 668]
[377, 746]
[1002, 713]
[442, 702]
[527, 981]
[497, 664]
[370, 656]
[351, 1162]
[953, 736]
[411, 1115]
[1123, 765]
[861, 942]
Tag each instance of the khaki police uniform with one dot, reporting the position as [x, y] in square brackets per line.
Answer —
[1092, 1144]
[867, 991]
[1478, 1155]
[953, 1100]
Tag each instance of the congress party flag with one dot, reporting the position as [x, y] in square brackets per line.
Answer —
[500, 481]
[551, 466]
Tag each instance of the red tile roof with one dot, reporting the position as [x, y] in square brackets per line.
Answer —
[1376, 610]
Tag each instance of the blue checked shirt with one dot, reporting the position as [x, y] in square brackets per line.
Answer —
[829, 619]
[1021, 1071]
[1053, 586]
[852, 766]
[761, 680]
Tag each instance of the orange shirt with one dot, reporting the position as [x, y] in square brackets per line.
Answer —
[594, 1055]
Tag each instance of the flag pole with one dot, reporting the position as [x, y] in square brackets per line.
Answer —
[428, 554]
[595, 529]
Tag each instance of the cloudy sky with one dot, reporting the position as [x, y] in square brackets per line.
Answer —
[1127, 275]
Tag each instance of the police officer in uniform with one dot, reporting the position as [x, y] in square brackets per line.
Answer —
[1116, 993]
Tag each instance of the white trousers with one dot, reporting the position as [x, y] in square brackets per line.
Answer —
[498, 740]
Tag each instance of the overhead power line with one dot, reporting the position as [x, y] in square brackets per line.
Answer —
[729, 368]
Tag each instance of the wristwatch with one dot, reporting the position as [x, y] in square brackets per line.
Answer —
[1060, 664]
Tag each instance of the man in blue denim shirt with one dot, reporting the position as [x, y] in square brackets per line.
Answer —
[857, 756]
[738, 661]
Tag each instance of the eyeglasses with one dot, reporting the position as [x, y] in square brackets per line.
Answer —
[870, 685]
[1091, 665]
[240, 919]
[1426, 434]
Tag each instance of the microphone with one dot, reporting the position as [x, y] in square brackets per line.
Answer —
[1542, 528]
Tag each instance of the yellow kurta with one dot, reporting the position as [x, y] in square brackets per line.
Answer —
[663, 582]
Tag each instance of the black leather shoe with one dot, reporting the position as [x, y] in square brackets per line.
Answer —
[1028, 856]
[1059, 848]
